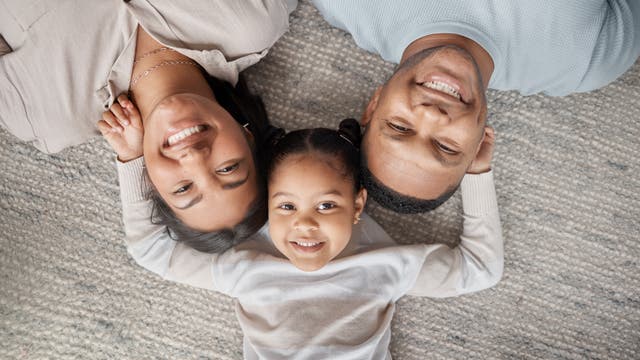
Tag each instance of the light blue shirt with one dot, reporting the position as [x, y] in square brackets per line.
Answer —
[550, 46]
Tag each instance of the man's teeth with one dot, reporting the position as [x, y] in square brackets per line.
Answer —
[185, 133]
[439, 86]
[307, 244]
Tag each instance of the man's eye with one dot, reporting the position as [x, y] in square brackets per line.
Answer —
[228, 169]
[183, 188]
[398, 128]
[287, 207]
[446, 149]
[326, 206]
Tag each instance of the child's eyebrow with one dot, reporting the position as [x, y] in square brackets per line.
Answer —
[282, 193]
[329, 192]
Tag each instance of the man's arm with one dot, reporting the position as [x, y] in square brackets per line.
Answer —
[477, 262]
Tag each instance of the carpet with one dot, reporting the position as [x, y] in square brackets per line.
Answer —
[566, 173]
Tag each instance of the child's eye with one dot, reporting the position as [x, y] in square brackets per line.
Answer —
[287, 207]
[182, 189]
[326, 206]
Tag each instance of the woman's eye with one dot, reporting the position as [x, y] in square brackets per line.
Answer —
[228, 169]
[326, 206]
[398, 128]
[446, 149]
[183, 188]
[287, 207]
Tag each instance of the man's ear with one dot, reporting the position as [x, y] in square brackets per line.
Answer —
[484, 133]
[371, 107]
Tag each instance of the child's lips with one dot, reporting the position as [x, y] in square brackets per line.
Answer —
[307, 246]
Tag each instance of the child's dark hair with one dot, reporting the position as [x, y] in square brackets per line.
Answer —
[342, 144]
[247, 109]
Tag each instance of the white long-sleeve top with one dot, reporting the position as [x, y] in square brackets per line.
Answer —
[343, 310]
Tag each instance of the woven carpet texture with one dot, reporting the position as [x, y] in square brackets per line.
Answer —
[568, 188]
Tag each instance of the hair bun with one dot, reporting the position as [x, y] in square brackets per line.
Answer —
[350, 130]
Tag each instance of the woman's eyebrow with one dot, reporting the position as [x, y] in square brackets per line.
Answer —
[195, 200]
[235, 184]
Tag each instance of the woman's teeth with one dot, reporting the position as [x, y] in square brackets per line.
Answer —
[442, 87]
[185, 133]
[307, 244]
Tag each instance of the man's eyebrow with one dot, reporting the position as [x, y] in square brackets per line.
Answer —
[441, 158]
[236, 184]
[393, 137]
[195, 200]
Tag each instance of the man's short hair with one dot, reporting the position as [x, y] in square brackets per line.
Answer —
[393, 200]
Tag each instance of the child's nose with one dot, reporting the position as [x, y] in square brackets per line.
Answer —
[305, 223]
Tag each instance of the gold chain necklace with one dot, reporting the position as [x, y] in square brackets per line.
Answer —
[159, 65]
[154, 51]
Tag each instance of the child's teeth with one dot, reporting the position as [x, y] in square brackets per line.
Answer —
[184, 133]
[307, 244]
[442, 87]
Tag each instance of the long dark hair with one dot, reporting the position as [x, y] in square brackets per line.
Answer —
[249, 111]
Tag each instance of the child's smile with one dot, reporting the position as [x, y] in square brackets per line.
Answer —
[312, 207]
[307, 246]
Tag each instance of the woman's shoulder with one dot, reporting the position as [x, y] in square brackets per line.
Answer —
[235, 28]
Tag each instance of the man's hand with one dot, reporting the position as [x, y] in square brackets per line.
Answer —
[122, 127]
[482, 162]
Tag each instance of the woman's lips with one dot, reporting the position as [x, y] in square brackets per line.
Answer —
[177, 137]
[180, 126]
[186, 142]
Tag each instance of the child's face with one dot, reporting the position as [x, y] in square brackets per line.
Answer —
[312, 208]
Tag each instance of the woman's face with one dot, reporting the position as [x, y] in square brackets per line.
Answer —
[312, 208]
[199, 160]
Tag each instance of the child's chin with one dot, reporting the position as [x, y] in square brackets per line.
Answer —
[309, 266]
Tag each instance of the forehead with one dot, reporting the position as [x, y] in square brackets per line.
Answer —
[302, 172]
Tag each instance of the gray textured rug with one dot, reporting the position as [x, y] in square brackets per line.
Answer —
[567, 173]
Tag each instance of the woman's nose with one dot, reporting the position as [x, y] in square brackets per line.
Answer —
[192, 155]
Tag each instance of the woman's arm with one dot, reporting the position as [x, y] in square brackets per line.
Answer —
[149, 244]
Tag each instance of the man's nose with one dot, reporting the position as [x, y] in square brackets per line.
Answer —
[433, 113]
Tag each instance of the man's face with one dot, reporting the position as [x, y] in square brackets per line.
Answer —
[425, 125]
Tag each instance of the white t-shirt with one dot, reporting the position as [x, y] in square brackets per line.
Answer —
[343, 310]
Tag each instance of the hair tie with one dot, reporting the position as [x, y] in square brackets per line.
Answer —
[349, 129]
[346, 138]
